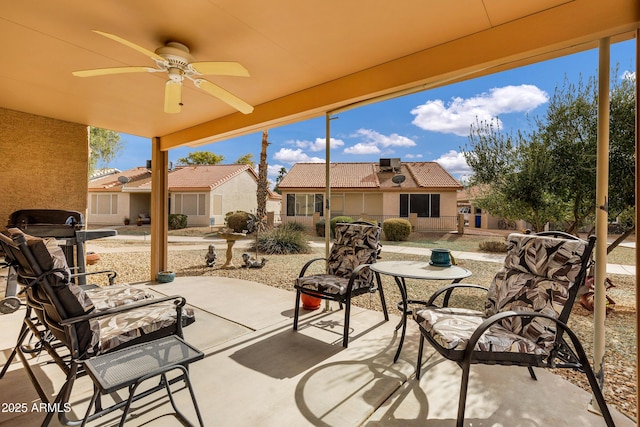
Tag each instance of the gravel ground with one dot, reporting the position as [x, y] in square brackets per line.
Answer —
[280, 272]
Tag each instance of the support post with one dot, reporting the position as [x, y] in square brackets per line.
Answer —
[602, 193]
[327, 195]
[159, 208]
[637, 216]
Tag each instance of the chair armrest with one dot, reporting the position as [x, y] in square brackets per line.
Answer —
[448, 290]
[480, 330]
[308, 264]
[111, 275]
[178, 300]
[354, 274]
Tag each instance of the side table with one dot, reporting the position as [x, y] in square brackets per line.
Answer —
[133, 365]
[422, 270]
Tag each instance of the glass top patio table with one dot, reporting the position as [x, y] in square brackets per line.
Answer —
[421, 270]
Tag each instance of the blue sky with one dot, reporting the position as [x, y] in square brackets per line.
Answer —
[428, 126]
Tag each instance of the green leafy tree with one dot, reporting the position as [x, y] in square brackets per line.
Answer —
[201, 158]
[104, 145]
[247, 159]
[569, 128]
[281, 173]
[550, 174]
[508, 167]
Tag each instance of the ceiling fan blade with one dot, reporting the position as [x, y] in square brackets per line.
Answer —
[223, 95]
[172, 97]
[116, 70]
[132, 45]
[220, 68]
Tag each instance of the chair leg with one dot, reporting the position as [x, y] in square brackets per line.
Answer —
[63, 397]
[296, 311]
[466, 367]
[21, 337]
[382, 300]
[533, 374]
[419, 362]
[347, 312]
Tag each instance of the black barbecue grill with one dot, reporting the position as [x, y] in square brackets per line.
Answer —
[65, 226]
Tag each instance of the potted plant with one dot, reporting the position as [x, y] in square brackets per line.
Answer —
[165, 276]
[127, 221]
[310, 302]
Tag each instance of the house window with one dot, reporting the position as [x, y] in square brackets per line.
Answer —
[104, 204]
[190, 204]
[304, 204]
[424, 205]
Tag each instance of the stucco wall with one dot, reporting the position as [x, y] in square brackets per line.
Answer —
[44, 164]
[239, 194]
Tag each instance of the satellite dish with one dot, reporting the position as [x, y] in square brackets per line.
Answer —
[398, 179]
[123, 179]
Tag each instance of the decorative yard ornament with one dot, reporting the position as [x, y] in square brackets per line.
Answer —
[252, 262]
[211, 256]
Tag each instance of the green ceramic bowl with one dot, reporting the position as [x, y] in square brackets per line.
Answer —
[440, 257]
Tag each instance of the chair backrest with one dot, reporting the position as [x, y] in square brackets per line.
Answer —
[355, 244]
[43, 268]
[540, 274]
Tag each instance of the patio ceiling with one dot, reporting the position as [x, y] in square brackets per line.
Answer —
[304, 57]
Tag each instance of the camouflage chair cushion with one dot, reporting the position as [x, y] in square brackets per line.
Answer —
[536, 277]
[451, 328]
[355, 244]
[553, 258]
[103, 333]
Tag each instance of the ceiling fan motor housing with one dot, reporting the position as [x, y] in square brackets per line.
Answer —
[177, 59]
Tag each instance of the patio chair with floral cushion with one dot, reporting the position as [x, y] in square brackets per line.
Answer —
[526, 310]
[74, 324]
[356, 246]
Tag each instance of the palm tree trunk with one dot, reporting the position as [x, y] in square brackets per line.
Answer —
[262, 193]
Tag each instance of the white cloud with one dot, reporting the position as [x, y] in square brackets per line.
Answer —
[362, 148]
[373, 142]
[413, 156]
[290, 156]
[393, 140]
[318, 145]
[629, 75]
[454, 163]
[274, 170]
[457, 116]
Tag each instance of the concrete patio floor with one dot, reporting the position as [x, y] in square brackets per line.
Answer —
[258, 372]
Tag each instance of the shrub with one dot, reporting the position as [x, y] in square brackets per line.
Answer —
[493, 246]
[294, 226]
[177, 221]
[336, 220]
[396, 229]
[238, 221]
[283, 241]
[368, 220]
[320, 227]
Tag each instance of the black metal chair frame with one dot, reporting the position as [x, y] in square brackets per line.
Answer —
[68, 356]
[340, 298]
[562, 355]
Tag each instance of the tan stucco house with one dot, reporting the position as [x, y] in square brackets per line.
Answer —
[422, 192]
[203, 193]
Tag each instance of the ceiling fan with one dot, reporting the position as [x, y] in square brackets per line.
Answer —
[174, 58]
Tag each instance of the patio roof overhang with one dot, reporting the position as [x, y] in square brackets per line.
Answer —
[305, 58]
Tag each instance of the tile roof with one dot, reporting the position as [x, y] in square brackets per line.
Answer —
[367, 175]
[136, 176]
[201, 177]
[205, 176]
